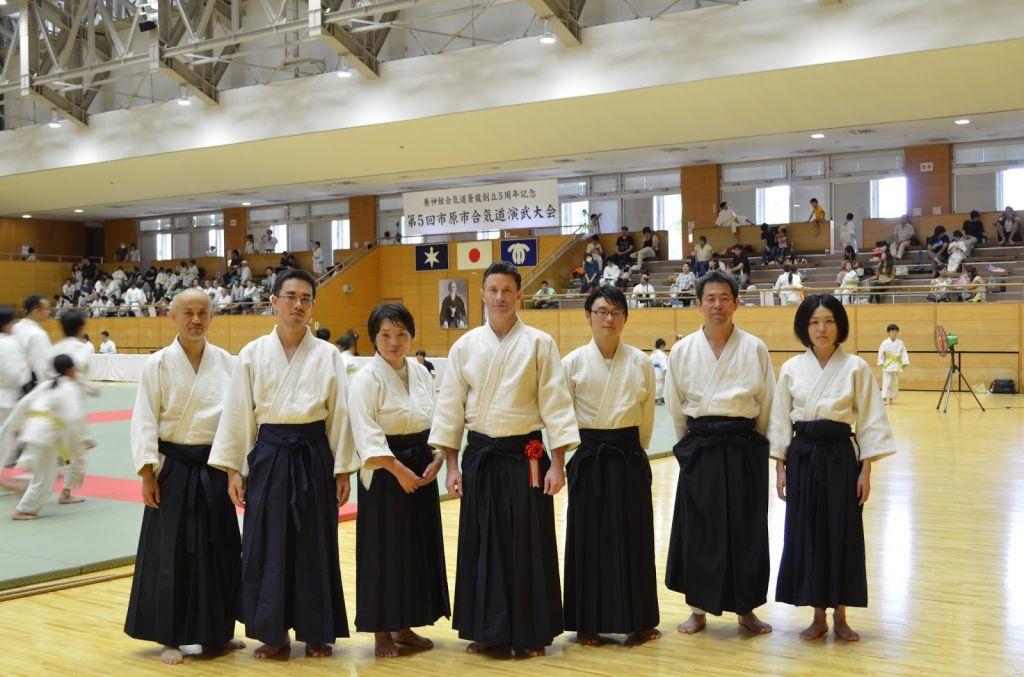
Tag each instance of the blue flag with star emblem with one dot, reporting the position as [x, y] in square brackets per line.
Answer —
[520, 252]
[432, 256]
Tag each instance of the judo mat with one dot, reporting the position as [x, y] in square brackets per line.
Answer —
[102, 532]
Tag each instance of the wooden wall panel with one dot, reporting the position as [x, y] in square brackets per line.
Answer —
[115, 232]
[774, 325]
[701, 194]
[62, 238]
[916, 322]
[24, 278]
[932, 190]
[362, 218]
[236, 227]
[981, 326]
[339, 310]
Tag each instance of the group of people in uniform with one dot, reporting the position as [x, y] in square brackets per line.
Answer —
[279, 430]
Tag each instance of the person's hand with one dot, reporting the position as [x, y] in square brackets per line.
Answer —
[780, 480]
[453, 483]
[150, 488]
[430, 474]
[409, 480]
[344, 487]
[864, 484]
[236, 488]
[554, 479]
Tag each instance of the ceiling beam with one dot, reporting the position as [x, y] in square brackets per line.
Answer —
[28, 52]
[562, 17]
[362, 59]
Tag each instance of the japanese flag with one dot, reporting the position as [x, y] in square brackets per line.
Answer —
[474, 255]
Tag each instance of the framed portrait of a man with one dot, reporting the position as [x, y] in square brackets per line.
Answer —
[453, 293]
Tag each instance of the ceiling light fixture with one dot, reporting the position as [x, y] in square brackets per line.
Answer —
[3, 3]
[344, 70]
[54, 122]
[548, 38]
[962, 121]
[247, 204]
[183, 99]
[26, 216]
[79, 211]
[818, 135]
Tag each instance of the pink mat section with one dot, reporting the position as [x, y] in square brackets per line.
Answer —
[117, 489]
[109, 416]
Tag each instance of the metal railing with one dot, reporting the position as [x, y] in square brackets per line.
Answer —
[988, 292]
[48, 258]
[160, 309]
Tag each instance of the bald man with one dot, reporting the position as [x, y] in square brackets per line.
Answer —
[185, 586]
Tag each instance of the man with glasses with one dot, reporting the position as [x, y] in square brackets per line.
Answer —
[286, 409]
[718, 390]
[610, 580]
[504, 382]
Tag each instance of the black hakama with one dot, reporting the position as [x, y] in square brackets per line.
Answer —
[718, 548]
[610, 579]
[186, 571]
[401, 580]
[823, 552]
[506, 581]
[290, 572]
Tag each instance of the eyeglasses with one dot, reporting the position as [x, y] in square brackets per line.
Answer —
[603, 314]
[291, 299]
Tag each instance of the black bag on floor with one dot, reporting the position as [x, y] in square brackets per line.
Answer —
[1003, 386]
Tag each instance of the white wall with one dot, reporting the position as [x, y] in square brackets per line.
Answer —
[975, 191]
[714, 42]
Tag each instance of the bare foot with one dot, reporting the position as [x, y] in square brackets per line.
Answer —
[754, 624]
[641, 636]
[171, 655]
[384, 645]
[271, 650]
[476, 647]
[587, 640]
[842, 629]
[410, 638]
[815, 630]
[314, 650]
[694, 624]
[66, 498]
[531, 653]
[23, 516]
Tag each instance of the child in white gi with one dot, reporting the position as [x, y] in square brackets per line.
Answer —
[892, 357]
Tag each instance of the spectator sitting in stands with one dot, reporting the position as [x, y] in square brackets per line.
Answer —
[87, 287]
[161, 279]
[222, 300]
[30, 255]
[252, 292]
[250, 246]
[387, 239]
[594, 249]
[623, 248]
[610, 276]
[234, 263]
[97, 305]
[940, 287]
[783, 248]
[269, 277]
[643, 293]
[848, 232]
[1008, 228]
[421, 357]
[134, 255]
[740, 268]
[149, 276]
[683, 287]
[591, 274]
[701, 255]
[135, 299]
[850, 254]
[768, 243]
[244, 272]
[974, 285]
[119, 275]
[69, 288]
[61, 304]
[727, 218]
[211, 289]
[956, 252]
[122, 252]
[714, 263]
[790, 286]
[541, 298]
[880, 251]
[847, 282]
[884, 274]
[88, 268]
[101, 285]
[903, 236]
[76, 273]
[938, 243]
[648, 249]
[974, 232]
[287, 261]
[109, 307]
[107, 346]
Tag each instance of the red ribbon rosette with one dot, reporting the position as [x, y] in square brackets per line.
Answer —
[534, 450]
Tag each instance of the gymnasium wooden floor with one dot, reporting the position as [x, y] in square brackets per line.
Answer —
[945, 536]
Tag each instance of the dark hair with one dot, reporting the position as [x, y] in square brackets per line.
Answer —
[33, 302]
[939, 230]
[717, 277]
[72, 322]
[345, 342]
[293, 274]
[323, 333]
[972, 270]
[105, 333]
[626, 228]
[702, 239]
[612, 295]
[849, 216]
[660, 343]
[543, 281]
[814, 199]
[802, 319]
[503, 268]
[975, 213]
[646, 229]
[396, 313]
[61, 364]
[893, 327]
[421, 352]
[957, 233]
[721, 205]
[7, 315]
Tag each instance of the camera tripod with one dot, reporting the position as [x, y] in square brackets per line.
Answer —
[962, 380]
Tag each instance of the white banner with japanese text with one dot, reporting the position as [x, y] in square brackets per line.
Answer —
[522, 204]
